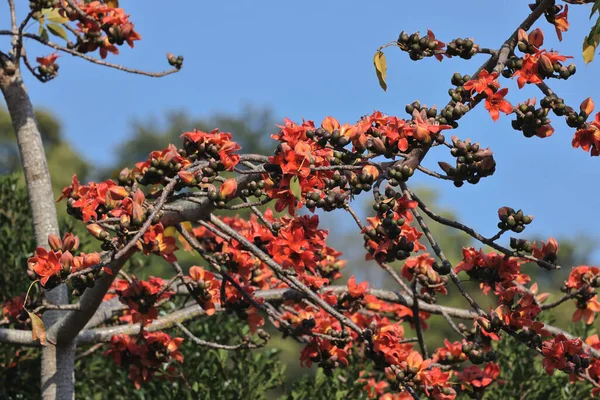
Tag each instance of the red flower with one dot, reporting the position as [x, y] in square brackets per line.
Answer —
[496, 103]
[529, 71]
[425, 127]
[156, 241]
[48, 60]
[581, 275]
[208, 287]
[141, 297]
[357, 290]
[589, 137]
[549, 250]
[477, 378]
[483, 83]
[322, 350]
[589, 313]
[45, 264]
[561, 23]
[558, 351]
[450, 353]
[13, 307]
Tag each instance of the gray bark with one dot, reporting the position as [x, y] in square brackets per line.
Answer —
[57, 377]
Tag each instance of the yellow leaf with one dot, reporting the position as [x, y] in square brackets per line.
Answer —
[380, 68]
[185, 244]
[170, 231]
[113, 3]
[589, 52]
[295, 187]
[58, 30]
[53, 15]
[187, 225]
[37, 328]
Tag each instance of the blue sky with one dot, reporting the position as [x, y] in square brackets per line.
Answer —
[314, 58]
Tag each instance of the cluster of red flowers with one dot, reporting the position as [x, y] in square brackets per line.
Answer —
[422, 266]
[304, 161]
[491, 268]
[206, 288]
[146, 356]
[537, 64]
[594, 368]
[216, 144]
[56, 264]
[389, 235]
[102, 27]
[295, 156]
[142, 297]
[477, 379]
[564, 354]
[583, 280]
[12, 309]
[95, 201]
[487, 85]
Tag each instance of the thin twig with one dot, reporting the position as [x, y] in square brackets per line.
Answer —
[417, 320]
[212, 345]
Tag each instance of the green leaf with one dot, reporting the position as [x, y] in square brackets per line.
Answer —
[295, 187]
[58, 30]
[43, 33]
[595, 8]
[380, 68]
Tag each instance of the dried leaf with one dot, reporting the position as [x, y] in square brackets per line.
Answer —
[380, 68]
[113, 3]
[295, 187]
[38, 331]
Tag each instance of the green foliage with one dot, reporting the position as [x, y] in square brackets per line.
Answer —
[19, 376]
[16, 237]
[344, 383]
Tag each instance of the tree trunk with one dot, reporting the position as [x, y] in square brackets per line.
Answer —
[57, 377]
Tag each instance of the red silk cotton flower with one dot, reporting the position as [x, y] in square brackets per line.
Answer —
[495, 103]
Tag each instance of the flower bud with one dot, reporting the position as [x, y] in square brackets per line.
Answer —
[371, 170]
[118, 192]
[228, 188]
[70, 242]
[54, 242]
[536, 38]
[587, 106]
[91, 259]
[187, 177]
[124, 175]
[66, 260]
[545, 65]
[330, 124]
[139, 214]
[125, 221]
[96, 231]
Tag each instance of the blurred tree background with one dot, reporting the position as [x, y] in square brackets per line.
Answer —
[269, 373]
